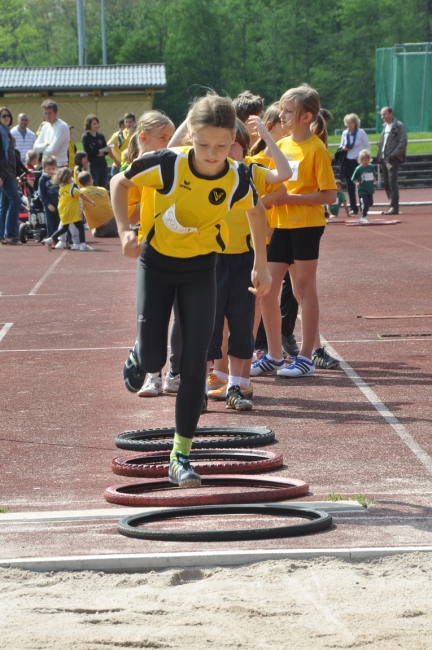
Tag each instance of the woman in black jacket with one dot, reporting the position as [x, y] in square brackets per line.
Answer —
[10, 200]
[96, 148]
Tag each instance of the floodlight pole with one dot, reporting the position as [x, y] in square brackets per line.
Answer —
[104, 47]
[82, 50]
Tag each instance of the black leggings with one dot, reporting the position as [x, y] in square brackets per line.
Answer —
[64, 229]
[159, 280]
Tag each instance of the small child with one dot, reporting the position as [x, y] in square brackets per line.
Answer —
[68, 207]
[31, 162]
[81, 165]
[340, 201]
[100, 218]
[364, 178]
[49, 195]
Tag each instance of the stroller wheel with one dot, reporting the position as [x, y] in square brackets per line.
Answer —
[24, 231]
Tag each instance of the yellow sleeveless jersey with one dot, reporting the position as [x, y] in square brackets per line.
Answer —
[68, 206]
[184, 215]
[240, 240]
[312, 171]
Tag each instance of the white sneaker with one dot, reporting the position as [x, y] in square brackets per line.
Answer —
[49, 242]
[172, 383]
[76, 247]
[300, 367]
[60, 244]
[364, 220]
[86, 227]
[152, 386]
[85, 247]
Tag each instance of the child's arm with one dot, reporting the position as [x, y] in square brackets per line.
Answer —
[314, 198]
[344, 204]
[283, 171]
[179, 135]
[87, 199]
[120, 186]
[268, 199]
[261, 278]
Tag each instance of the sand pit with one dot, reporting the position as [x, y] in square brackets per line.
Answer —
[383, 603]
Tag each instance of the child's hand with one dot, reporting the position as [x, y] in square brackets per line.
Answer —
[130, 246]
[261, 279]
[258, 126]
[93, 203]
[51, 208]
[283, 201]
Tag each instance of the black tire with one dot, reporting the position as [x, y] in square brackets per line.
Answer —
[161, 439]
[24, 231]
[318, 520]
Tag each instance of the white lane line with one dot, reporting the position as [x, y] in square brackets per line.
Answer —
[122, 347]
[46, 274]
[404, 241]
[382, 409]
[392, 339]
[5, 329]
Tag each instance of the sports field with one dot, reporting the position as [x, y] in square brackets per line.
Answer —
[67, 323]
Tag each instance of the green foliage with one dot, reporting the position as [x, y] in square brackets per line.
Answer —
[4, 510]
[360, 498]
[229, 45]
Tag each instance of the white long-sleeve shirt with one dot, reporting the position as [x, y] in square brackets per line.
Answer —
[361, 142]
[53, 140]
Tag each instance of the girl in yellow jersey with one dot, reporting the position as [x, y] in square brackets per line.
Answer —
[69, 209]
[299, 225]
[194, 189]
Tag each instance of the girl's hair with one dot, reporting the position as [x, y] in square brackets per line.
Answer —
[88, 120]
[31, 155]
[247, 104]
[306, 100]
[352, 117]
[211, 110]
[271, 115]
[62, 176]
[133, 151]
[326, 114]
[242, 136]
[4, 108]
[364, 153]
[153, 120]
[79, 157]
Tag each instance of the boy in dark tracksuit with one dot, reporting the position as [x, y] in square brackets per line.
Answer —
[49, 194]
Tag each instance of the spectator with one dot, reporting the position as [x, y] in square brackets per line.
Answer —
[10, 200]
[354, 139]
[72, 149]
[24, 138]
[116, 140]
[128, 131]
[391, 154]
[96, 149]
[100, 215]
[54, 137]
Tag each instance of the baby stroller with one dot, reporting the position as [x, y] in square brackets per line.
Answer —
[33, 224]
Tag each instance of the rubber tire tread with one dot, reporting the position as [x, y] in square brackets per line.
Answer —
[139, 494]
[155, 439]
[318, 520]
[243, 462]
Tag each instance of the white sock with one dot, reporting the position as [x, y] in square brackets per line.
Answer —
[153, 375]
[245, 382]
[269, 356]
[223, 376]
[233, 381]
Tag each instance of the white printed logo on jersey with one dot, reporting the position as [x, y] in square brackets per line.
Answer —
[294, 164]
[170, 220]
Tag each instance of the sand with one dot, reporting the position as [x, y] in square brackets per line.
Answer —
[384, 603]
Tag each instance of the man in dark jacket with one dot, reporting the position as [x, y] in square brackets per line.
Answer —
[391, 154]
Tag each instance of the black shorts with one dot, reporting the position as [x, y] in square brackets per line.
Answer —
[290, 244]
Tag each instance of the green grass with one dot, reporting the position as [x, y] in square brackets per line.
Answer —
[4, 510]
[415, 148]
[360, 498]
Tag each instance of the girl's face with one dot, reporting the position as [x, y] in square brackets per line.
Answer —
[276, 131]
[156, 139]
[94, 125]
[236, 151]
[84, 161]
[212, 146]
[287, 115]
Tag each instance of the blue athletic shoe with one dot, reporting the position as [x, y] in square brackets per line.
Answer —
[181, 473]
[265, 366]
[133, 375]
[300, 367]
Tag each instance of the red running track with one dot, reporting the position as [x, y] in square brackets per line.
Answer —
[63, 399]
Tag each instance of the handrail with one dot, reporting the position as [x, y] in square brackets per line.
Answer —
[335, 144]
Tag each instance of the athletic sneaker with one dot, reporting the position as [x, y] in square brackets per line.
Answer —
[221, 393]
[49, 242]
[236, 401]
[85, 247]
[181, 473]
[60, 244]
[323, 360]
[133, 375]
[152, 387]
[300, 367]
[364, 220]
[172, 383]
[289, 345]
[76, 247]
[214, 383]
[205, 404]
[266, 366]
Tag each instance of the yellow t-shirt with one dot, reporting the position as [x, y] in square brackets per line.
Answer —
[312, 171]
[68, 206]
[100, 213]
[240, 240]
[124, 145]
[188, 208]
[259, 158]
[117, 140]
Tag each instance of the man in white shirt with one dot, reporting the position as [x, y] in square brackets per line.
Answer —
[391, 154]
[53, 140]
[24, 138]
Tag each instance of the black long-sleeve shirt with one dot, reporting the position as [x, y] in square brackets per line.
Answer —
[92, 144]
